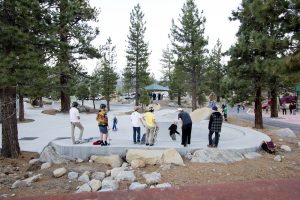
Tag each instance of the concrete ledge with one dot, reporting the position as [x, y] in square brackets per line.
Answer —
[235, 138]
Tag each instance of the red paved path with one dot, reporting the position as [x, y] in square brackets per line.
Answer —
[255, 190]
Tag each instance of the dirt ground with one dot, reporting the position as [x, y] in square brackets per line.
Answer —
[193, 173]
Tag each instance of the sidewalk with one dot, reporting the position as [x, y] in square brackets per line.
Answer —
[287, 189]
[291, 119]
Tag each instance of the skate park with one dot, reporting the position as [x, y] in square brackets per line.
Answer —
[55, 130]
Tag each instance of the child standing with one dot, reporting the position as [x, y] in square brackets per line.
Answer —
[115, 121]
[173, 130]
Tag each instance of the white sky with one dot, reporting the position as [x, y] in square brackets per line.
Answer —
[114, 22]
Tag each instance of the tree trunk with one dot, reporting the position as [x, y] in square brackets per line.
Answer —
[194, 92]
[10, 142]
[108, 104]
[179, 98]
[41, 102]
[82, 100]
[94, 104]
[274, 110]
[21, 108]
[64, 58]
[258, 109]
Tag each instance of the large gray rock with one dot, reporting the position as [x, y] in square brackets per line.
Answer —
[150, 157]
[115, 171]
[50, 155]
[95, 185]
[46, 165]
[125, 176]
[98, 175]
[163, 185]
[59, 172]
[285, 148]
[33, 161]
[72, 175]
[213, 155]
[84, 188]
[84, 178]
[112, 160]
[285, 132]
[108, 184]
[137, 186]
[137, 163]
[171, 156]
[27, 182]
[152, 178]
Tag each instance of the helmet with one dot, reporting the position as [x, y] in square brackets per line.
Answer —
[75, 104]
[102, 106]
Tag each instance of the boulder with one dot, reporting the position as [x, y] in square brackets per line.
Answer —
[84, 188]
[112, 160]
[150, 157]
[278, 158]
[252, 155]
[95, 185]
[152, 178]
[59, 172]
[26, 182]
[171, 156]
[163, 185]
[84, 178]
[116, 171]
[137, 163]
[45, 165]
[125, 176]
[285, 148]
[200, 114]
[188, 156]
[98, 175]
[72, 175]
[108, 172]
[33, 161]
[285, 132]
[50, 155]
[124, 164]
[213, 155]
[78, 160]
[137, 186]
[108, 184]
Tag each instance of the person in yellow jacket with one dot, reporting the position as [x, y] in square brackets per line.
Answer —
[150, 125]
[102, 120]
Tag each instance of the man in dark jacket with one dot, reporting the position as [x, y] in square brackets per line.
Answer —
[214, 126]
[186, 127]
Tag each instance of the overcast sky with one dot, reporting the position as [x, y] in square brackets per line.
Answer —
[114, 22]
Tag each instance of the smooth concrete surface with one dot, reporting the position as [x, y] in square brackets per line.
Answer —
[47, 128]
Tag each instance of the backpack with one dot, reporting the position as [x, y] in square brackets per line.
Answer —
[268, 147]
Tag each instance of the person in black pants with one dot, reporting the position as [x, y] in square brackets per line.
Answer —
[214, 126]
[186, 127]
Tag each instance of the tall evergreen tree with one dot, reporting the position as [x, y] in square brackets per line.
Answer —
[215, 70]
[260, 41]
[168, 63]
[135, 72]
[107, 76]
[21, 37]
[73, 41]
[189, 44]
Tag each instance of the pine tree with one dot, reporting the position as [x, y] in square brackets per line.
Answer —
[215, 71]
[135, 73]
[106, 74]
[167, 63]
[260, 43]
[21, 36]
[73, 37]
[189, 44]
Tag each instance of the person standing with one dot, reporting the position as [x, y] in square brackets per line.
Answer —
[115, 122]
[150, 125]
[75, 122]
[102, 120]
[186, 127]
[283, 108]
[214, 126]
[225, 111]
[136, 121]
